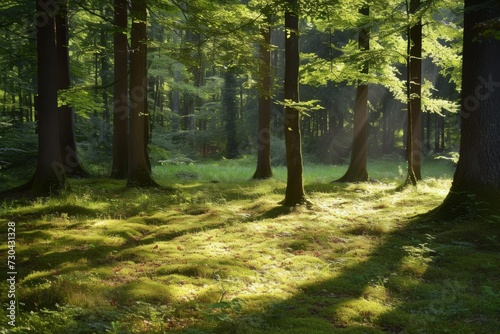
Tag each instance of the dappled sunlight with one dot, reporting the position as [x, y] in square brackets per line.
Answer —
[348, 260]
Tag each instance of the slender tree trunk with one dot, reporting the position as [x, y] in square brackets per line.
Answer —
[50, 176]
[294, 194]
[105, 68]
[69, 155]
[357, 171]
[175, 104]
[4, 99]
[476, 183]
[428, 132]
[230, 110]
[139, 172]
[187, 113]
[120, 92]
[264, 170]
[414, 85]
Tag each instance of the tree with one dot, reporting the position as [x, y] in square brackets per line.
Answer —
[69, 155]
[357, 167]
[120, 106]
[50, 176]
[139, 171]
[294, 194]
[230, 111]
[414, 96]
[476, 183]
[264, 170]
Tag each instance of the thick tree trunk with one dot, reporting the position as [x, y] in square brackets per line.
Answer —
[357, 171]
[139, 173]
[476, 184]
[264, 170]
[50, 176]
[294, 194]
[120, 92]
[414, 91]
[69, 155]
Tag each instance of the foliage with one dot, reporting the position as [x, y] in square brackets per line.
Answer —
[190, 43]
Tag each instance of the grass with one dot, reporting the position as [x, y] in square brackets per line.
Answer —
[217, 254]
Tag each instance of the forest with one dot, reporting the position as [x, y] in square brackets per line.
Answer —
[250, 166]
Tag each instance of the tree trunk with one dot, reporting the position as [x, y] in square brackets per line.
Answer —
[68, 149]
[414, 85]
[139, 173]
[120, 106]
[189, 98]
[294, 194]
[264, 170]
[104, 73]
[428, 132]
[175, 104]
[50, 176]
[357, 171]
[476, 183]
[230, 112]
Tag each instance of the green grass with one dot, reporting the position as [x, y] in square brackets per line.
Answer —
[217, 254]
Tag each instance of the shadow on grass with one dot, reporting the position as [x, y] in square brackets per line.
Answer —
[36, 213]
[275, 212]
[428, 277]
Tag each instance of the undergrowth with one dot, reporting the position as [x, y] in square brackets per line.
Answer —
[216, 253]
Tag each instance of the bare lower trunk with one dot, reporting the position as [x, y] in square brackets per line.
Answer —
[69, 154]
[357, 171]
[476, 183]
[294, 194]
[264, 170]
[139, 172]
[414, 91]
[120, 105]
[50, 176]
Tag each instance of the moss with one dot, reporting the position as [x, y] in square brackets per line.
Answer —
[144, 290]
[356, 261]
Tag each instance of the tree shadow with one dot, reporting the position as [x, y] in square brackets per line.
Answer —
[429, 268]
[275, 212]
[34, 213]
[414, 264]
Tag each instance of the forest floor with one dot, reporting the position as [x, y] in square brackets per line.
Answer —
[216, 253]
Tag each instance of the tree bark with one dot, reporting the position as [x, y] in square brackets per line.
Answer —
[264, 170]
[476, 183]
[294, 194]
[50, 176]
[357, 171]
[120, 92]
[104, 71]
[69, 154]
[230, 111]
[139, 173]
[414, 91]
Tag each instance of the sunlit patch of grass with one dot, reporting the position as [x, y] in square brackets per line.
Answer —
[360, 311]
[218, 254]
[143, 289]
